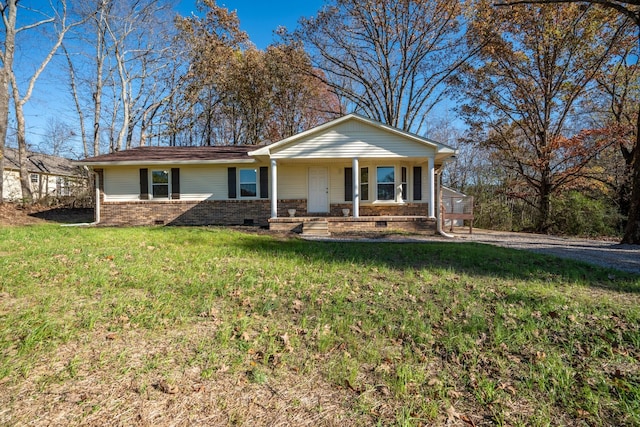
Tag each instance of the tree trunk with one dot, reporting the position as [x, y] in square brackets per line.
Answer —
[4, 122]
[544, 205]
[9, 18]
[97, 94]
[632, 230]
[25, 179]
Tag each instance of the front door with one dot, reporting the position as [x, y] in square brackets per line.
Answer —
[318, 190]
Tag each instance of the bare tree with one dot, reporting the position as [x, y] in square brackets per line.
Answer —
[388, 60]
[9, 12]
[118, 66]
[57, 138]
[57, 19]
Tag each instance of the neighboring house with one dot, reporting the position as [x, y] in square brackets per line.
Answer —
[306, 178]
[49, 176]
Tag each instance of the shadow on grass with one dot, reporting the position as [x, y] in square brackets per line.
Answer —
[474, 259]
[65, 215]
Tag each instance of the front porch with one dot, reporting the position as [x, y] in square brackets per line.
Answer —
[323, 225]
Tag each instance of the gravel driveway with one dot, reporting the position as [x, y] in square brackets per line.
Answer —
[599, 252]
[603, 253]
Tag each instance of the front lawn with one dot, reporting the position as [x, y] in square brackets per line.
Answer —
[207, 326]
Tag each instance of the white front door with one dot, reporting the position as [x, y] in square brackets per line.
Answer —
[318, 190]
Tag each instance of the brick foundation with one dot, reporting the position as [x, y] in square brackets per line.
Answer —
[409, 217]
[179, 212]
[337, 225]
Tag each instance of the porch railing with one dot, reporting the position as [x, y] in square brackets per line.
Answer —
[456, 210]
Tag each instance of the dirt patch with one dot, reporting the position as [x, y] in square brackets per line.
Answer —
[12, 214]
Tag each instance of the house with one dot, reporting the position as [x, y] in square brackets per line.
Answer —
[351, 173]
[49, 176]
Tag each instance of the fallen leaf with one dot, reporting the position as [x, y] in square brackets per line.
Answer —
[467, 420]
[297, 305]
[453, 394]
[286, 342]
[167, 388]
[452, 414]
[434, 382]
[383, 390]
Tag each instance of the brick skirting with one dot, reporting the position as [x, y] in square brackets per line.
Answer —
[240, 212]
[410, 224]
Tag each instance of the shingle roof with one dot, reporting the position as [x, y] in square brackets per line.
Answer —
[174, 154]
[40, 163]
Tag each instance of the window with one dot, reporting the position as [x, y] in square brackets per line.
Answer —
[364, 183]
[386, 183]
[248, 183]
[160, 184]
[34, 178]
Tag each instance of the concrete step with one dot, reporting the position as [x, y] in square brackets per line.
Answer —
[316, 228]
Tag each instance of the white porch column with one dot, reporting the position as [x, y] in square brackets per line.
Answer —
[356, 187]
[432, 188]
[274, 189]
[97, 209]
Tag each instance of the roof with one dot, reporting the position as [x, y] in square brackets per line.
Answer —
[451, 190]
[440, 148]
[40, 163]
[174, 155]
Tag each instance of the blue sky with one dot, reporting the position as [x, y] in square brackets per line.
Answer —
[260, 18]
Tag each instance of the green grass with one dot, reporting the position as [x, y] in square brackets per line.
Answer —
[406, 334]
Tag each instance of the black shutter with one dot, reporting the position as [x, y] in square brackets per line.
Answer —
[348, 184]
[231, 181]
[405, 192]
[175, 183]
[417, 183]
[264, 182]
[144, 184]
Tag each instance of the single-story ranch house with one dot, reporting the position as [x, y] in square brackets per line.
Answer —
[351, 173]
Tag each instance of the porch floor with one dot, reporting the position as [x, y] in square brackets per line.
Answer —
[413, 224]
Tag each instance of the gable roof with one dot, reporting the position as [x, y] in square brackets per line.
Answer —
[40, 163]
[174, 155]
[269, 149]
[160, 155]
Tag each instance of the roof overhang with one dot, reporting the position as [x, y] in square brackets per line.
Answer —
[165, 162]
